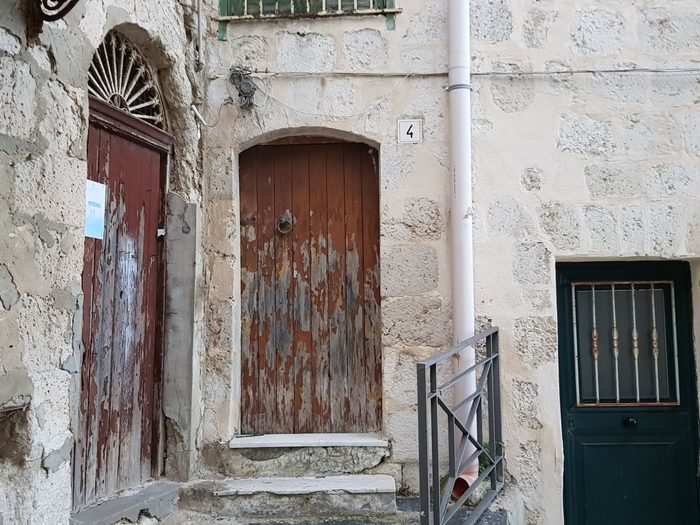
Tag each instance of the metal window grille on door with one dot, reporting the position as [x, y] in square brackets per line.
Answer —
[625, 343]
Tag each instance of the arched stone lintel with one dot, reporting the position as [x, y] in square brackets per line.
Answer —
[315, 131]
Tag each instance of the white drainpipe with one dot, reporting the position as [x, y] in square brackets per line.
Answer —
[461, 211]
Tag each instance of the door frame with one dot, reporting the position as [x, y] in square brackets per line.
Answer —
[119, 123]
[679, 273]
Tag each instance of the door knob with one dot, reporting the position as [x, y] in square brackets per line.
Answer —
[630, 422]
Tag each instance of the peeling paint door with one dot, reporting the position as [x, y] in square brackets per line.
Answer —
[311, 332]
[117, 444]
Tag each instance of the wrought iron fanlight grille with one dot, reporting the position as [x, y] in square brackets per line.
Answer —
[56, 9]
[120, 76]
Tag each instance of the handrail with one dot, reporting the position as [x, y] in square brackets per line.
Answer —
[459, 347]
[464, 446]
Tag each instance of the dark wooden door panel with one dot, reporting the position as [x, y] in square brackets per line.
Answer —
[119, 410]
[310, 289]
[619, 482]
[629, 457]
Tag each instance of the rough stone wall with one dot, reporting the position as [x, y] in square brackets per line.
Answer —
[574, 165]
[349, 77]
[43, 131]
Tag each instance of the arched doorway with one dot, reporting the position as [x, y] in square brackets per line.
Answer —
[311, 330]
[118, 442]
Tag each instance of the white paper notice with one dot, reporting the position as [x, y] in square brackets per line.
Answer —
[94, 210]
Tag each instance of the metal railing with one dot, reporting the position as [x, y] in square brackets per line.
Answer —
[262, 9]
[463, 448]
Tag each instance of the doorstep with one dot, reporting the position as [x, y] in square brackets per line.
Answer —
[308, 440]
[157, 499]
[282, 498]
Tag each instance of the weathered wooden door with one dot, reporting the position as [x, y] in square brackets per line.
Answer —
[311, 337]
[117, 443]
[628, 393]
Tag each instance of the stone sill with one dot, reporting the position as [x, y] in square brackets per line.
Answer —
[351, 484]
[308, 440]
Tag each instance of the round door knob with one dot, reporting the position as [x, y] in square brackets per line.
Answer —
[630, 422]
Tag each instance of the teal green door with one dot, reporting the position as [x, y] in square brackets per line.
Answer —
[627, 384]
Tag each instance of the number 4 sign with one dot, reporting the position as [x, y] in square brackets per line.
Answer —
[410, 131]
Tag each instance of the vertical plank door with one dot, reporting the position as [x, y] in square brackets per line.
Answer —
[311, 356]
[119, 415]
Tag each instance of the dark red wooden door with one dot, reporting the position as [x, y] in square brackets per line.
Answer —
[311, 332]
[116, 446]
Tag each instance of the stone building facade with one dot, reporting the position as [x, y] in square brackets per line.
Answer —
[586, 146]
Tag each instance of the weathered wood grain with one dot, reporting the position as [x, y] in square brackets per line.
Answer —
[249, 292]
[338, 355]
[303, 350]
[318, 289]
[284, 293]
[354, 293]
[318, 233]
[267, 387]
[372, 292]
[121, 282]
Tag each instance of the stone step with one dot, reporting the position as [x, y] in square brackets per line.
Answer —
[297, 497]
[293, 456]
[407, 514]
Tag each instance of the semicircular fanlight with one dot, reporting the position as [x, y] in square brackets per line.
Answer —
[120, 76]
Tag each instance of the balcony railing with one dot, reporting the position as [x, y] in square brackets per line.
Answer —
[442, 418]
[262, 9]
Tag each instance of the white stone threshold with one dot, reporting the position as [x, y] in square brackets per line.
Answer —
[308, 440]
[351, 484]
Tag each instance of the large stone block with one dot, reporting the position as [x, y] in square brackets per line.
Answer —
[691, 132]
[664, 29]
[365, 49]
[17, 98]
[402, 429]
[644, 134]
[9, 43]
[599, 32]
[632, 230]
[532, 178]
[63, 124]
[252, 51]
[620, 87]
[507, 216]
[491, 20]
[305, 52]
[416, 321]
[408, 269]
[525, 403]
[663, 230]
[535, 340]
[528, 466]
[585, 135]
[536, 27]
[398, 163]
[532, 264]
[602, 227]
[693, 235]
[560, 222]
[608, 181]
[511, 93]
[667, 180]
[421, 219]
